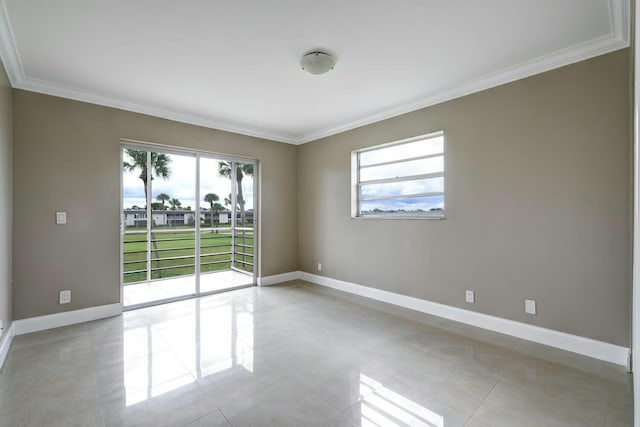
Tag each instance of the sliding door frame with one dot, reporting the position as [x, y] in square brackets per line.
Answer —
[197, 155]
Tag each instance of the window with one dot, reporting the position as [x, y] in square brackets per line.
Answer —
[402, 179]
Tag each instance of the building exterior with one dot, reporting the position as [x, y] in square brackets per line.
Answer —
[180, 217]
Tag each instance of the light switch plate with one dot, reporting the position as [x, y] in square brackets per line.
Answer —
[61, 217]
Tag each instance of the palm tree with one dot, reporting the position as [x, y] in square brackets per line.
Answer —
[175, 204]
[211, 198]
[217, 207]
[163, 197]
[159, 167]
[242, 170]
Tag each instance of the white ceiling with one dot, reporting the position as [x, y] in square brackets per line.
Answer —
[234, 65]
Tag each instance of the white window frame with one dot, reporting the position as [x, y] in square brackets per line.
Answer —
[356, 183]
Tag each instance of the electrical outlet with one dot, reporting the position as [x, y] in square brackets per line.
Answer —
[470, 297]
[61, 218]
[530, 306]
[65, 296]
[319, 267]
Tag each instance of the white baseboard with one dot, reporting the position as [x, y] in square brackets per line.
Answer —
[278, 278]
[5, 343]
[574, 343]
[50, 321]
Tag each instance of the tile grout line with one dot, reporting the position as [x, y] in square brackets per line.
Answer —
[451, 337]
[95, 376]
[488, 393]
[195, 378]
[395, 378]
[225, 417]
[343, 413]
[520, 353]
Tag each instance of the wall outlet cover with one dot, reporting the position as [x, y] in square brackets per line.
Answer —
[65, 297]
[530, 306]
[61, 217]
[319, 267]
[470, 297]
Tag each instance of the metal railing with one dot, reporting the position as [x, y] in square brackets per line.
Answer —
[171, 252]
[243, 248]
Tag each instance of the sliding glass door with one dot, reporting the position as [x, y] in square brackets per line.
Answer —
[187, 224]
[243, 241]
[216, 230]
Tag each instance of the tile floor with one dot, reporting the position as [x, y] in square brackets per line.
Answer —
[299, 355]
[158, 290]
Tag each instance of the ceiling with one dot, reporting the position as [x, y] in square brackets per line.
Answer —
[235, 65]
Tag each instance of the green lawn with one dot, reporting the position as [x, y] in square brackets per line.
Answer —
[179, 245]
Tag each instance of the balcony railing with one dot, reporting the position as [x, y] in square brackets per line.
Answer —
[171, 252]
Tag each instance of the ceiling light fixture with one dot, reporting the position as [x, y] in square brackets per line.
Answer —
[317, 62]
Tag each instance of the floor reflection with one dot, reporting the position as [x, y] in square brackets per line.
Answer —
[384, 407]
[195, 340]
[296, 355]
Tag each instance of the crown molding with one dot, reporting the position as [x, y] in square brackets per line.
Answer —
[619, 16]
[8, 49]
[54, 89]
[618, 39]
[19, 80]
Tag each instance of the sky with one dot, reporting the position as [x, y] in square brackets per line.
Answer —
[418, 148]
[400, 170]
[182, 182]
[408, 204]
[418, 186]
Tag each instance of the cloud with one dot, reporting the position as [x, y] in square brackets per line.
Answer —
[394, 170]
[400, 192]
[181, 184]
[419, 186]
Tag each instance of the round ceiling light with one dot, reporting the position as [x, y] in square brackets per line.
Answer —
[317, 62]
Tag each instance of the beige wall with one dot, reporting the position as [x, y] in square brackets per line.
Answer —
[537, 200]
[66, 157]
[5, 200]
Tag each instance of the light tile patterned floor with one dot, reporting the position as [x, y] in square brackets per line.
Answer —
[158, 290]
[299, 355]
